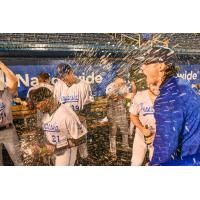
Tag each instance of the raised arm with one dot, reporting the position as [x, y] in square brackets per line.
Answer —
[13, 81]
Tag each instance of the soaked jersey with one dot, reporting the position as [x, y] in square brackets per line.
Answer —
[5, 107]
[177, 114]
[62, 125]
[77, 96]
[142, 106]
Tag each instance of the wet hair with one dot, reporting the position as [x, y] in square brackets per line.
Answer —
[43, 76]
[40, 94]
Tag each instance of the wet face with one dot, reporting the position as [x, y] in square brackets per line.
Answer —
[43, 106]
[154, 89]
[154, 73]
[151, 71]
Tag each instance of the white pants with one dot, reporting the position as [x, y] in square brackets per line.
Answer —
[140, 150]
[82, 148]
[131, 128]
[68, 158]
[9, 138]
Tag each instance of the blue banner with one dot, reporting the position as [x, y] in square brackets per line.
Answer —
[99, 76]
[190, 72]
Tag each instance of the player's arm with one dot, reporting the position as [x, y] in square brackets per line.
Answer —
[87, 103]
[75, 128]
[13, 81]
[146, 132]
[85, 111]
[135, 110]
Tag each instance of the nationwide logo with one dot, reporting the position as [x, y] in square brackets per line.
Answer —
[188, 75]
[28, 81]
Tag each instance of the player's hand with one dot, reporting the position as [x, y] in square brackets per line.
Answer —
[149, 140]
[49, 149]
[146, 132]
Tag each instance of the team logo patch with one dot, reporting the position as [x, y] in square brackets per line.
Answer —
[50, 127]
[69, 99]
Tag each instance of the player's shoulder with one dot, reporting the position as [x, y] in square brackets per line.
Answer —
[63, 112]
[59, 85]
[66, 113]
[141, 94]
[82, 83]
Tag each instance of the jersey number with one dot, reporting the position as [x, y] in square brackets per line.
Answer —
[75, 107]
[55, 139]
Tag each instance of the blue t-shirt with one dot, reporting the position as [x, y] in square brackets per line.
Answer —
[177, 114]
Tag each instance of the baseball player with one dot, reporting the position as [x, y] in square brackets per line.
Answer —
[61, 125]
[116, 93]
[134, 91]
[142, 116]
[76, 93]
[8, 135]
[44, 81]
[177, 108]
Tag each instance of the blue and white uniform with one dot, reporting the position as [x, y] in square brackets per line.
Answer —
[61, 126]
[8, 135]
[142, 106]
[76, 96]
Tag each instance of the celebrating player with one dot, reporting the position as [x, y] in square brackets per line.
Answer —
[61, 126]
[8, 135]
[142, 116]
[44, 81]
[177, 108]
[116, 93]
[76, 93]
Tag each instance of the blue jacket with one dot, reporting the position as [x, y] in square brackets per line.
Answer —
[177, 114]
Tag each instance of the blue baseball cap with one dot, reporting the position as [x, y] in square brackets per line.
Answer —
[62, 69]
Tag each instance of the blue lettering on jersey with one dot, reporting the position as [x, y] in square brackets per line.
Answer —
[69, 99]
[50, 128]
[147, 110]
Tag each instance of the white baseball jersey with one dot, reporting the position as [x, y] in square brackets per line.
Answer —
[5, 107]
[62, 125]
[77, 96]
[46, 85]
[143, 107]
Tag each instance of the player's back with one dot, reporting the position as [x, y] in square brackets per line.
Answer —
[62, 125]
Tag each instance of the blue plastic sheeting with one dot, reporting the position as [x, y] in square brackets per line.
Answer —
[192, 160]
